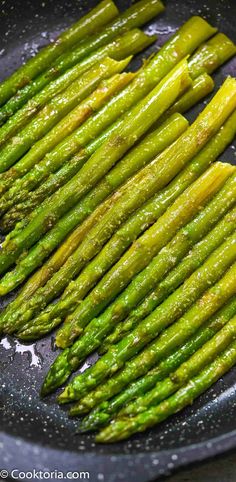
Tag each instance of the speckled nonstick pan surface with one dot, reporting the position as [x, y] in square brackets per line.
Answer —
[37, 434]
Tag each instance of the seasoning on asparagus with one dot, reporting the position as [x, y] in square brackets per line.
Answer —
[121, 429]
[133, 126]
[99, 16]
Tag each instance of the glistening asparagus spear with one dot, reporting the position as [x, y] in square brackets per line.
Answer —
[139, 287]
[173, 308]
[135, 16]
[202, 86]
[184, 42]
[102, 325]
[130, 43]
[150, 357]
[105, 411]
[104, 12]
[122, 429]
[57, 108]
[195, 258]
[131, 129]
[164, 389]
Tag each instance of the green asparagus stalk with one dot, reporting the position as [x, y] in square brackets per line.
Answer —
[140, 155]
[173, 308]
[173, 280]
[105, 411]
[164, 389]
[76, 117]
[130, 43]
[131, 129]
[57, 108]
[137, 15]
[211, 55]
[202, 86]
[99, 16]
[121, 429]
[103, 324]
[139, 287]
[184, 42]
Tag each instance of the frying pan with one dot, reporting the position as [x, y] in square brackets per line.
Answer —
[37, 434]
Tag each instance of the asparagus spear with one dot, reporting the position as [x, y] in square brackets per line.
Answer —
[58, 107]
[105, 411]
[185, 41]
[202, 86]
[76, 117]
[121, 429]
[131, 129]
[185, 372]
[173, 308]
[196, 256]
[103, 324]
[211, 55]
[136, 290]
[130, 43]
[99, 16]
[136, 15]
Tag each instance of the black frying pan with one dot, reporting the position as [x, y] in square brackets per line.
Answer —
[37, 434]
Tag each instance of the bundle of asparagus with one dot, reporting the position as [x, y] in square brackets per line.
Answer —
[100, 170]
